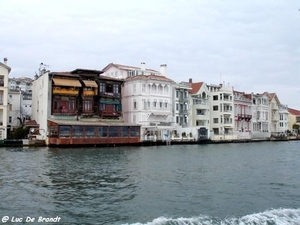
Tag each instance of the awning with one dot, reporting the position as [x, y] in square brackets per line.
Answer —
[90, 83]
[66, 82]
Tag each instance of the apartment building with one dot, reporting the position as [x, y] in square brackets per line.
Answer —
[221, 111]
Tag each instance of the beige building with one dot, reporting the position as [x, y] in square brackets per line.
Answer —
[293, 117]
[4, 72]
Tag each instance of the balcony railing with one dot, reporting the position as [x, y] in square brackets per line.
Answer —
[244, 116]
[65, 91]
[110, 113]
[88, 93]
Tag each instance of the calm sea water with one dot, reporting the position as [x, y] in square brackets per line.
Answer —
[247, 183]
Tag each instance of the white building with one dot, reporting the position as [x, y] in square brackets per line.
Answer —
[221, 112]
[122, 71]
[4, 72]
[260, 116]
[278, 116]
[14, 108]
[147, 99]
[41, 101]
[23, 84]
[199, 108]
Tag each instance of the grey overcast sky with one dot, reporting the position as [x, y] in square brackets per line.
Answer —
[253, 45]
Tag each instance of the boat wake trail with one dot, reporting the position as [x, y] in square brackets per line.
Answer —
[270, 217]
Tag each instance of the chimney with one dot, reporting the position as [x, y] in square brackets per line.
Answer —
[143, 66]
[163, 69]
[190, 80]
[5, 61]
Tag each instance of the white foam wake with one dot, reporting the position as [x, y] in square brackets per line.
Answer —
[270, 217]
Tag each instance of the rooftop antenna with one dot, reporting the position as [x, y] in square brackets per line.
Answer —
[42, 68]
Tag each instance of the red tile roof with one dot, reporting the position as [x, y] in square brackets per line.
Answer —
[294, 112]
[196, 87]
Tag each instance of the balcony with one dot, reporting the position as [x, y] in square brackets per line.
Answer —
[65, 91]
[244, 116]
[89, 93]
[107, 113]
[110, 94]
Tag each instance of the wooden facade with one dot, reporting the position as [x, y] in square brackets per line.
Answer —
[85, 93]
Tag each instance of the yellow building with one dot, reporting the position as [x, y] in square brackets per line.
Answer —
[294, 118]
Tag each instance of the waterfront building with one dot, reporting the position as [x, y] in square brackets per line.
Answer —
[181, 104]
[199, 105]
[148, 101]
[260, 116]
[293, 118]
[242, 115]
[278, 116]
[15, 116]
[4, 72]
[80, 107]
[221, 112]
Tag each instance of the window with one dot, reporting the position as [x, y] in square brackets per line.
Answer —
[89, 132]
[143, 87]
[134, 88]
[113, 131]
[9, 119]
[177, 119]
[215, 97]
[124, 131]
[134, 131]
[64, 131]
[102, 106]
[87, 105]
[102, 87]
[216, 120]
[154, 103]
[72, 104]
[10, 107]
[144, 104]
[134, 104]
[116, 88]
[102, 131]
[160, 104]
[176, 93]
[77, 131]
[177, 106]
[166, 105]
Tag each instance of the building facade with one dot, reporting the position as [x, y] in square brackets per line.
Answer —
[221, 112]
[242, 115]
[4, 72]
[260, 116]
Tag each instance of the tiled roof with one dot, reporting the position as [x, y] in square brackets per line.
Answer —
[294, 112]
[196, 87]
[271, 96]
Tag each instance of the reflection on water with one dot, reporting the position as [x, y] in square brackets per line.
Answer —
[122, 185]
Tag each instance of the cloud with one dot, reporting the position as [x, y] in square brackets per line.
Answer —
[253, 45]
